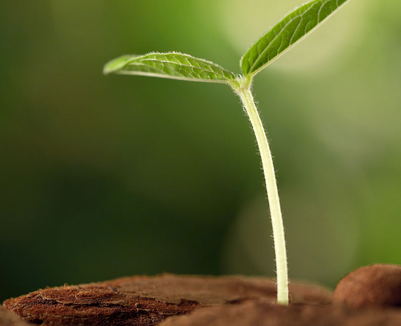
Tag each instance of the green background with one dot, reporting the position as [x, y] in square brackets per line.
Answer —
[108, 176]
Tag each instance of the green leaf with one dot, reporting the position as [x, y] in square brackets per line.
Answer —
[294, 27]
[170, 65]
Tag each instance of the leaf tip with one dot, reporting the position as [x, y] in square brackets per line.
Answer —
[116, 64]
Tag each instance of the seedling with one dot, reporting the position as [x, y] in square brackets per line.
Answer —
[284, 35]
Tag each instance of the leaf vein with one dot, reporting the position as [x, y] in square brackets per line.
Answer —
[268, 47]
[187, 65]
[295, 31]
[320, 10]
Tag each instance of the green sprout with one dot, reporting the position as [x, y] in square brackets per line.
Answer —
[284, 35]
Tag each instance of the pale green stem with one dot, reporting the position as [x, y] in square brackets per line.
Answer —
[243, 89]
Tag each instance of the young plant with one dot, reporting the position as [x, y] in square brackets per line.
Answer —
[284, 35]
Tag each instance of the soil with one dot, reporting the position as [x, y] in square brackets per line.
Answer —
[215, 301]
[147, 301]
[7, 318]
[375, 285]
[255, 313]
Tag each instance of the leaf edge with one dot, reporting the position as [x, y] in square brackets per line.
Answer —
[253, 73]
[114, 65]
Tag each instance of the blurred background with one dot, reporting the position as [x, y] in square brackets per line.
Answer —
[108, 176]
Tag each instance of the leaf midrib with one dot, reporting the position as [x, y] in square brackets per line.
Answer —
[184, 65]
[256, 62]
[282, 30]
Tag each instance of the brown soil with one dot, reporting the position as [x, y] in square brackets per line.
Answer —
[255, 313]
[375, 285]
[7, 318]
[368, 296]
[147, 301]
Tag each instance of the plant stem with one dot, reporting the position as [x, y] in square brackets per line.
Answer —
[243, 89]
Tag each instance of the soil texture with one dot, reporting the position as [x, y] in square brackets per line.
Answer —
[256, 313]
[144, 301]
[368, 296]
[7, 318]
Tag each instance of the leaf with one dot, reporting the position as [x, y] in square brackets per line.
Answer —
[170, 65]
[285, 34]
